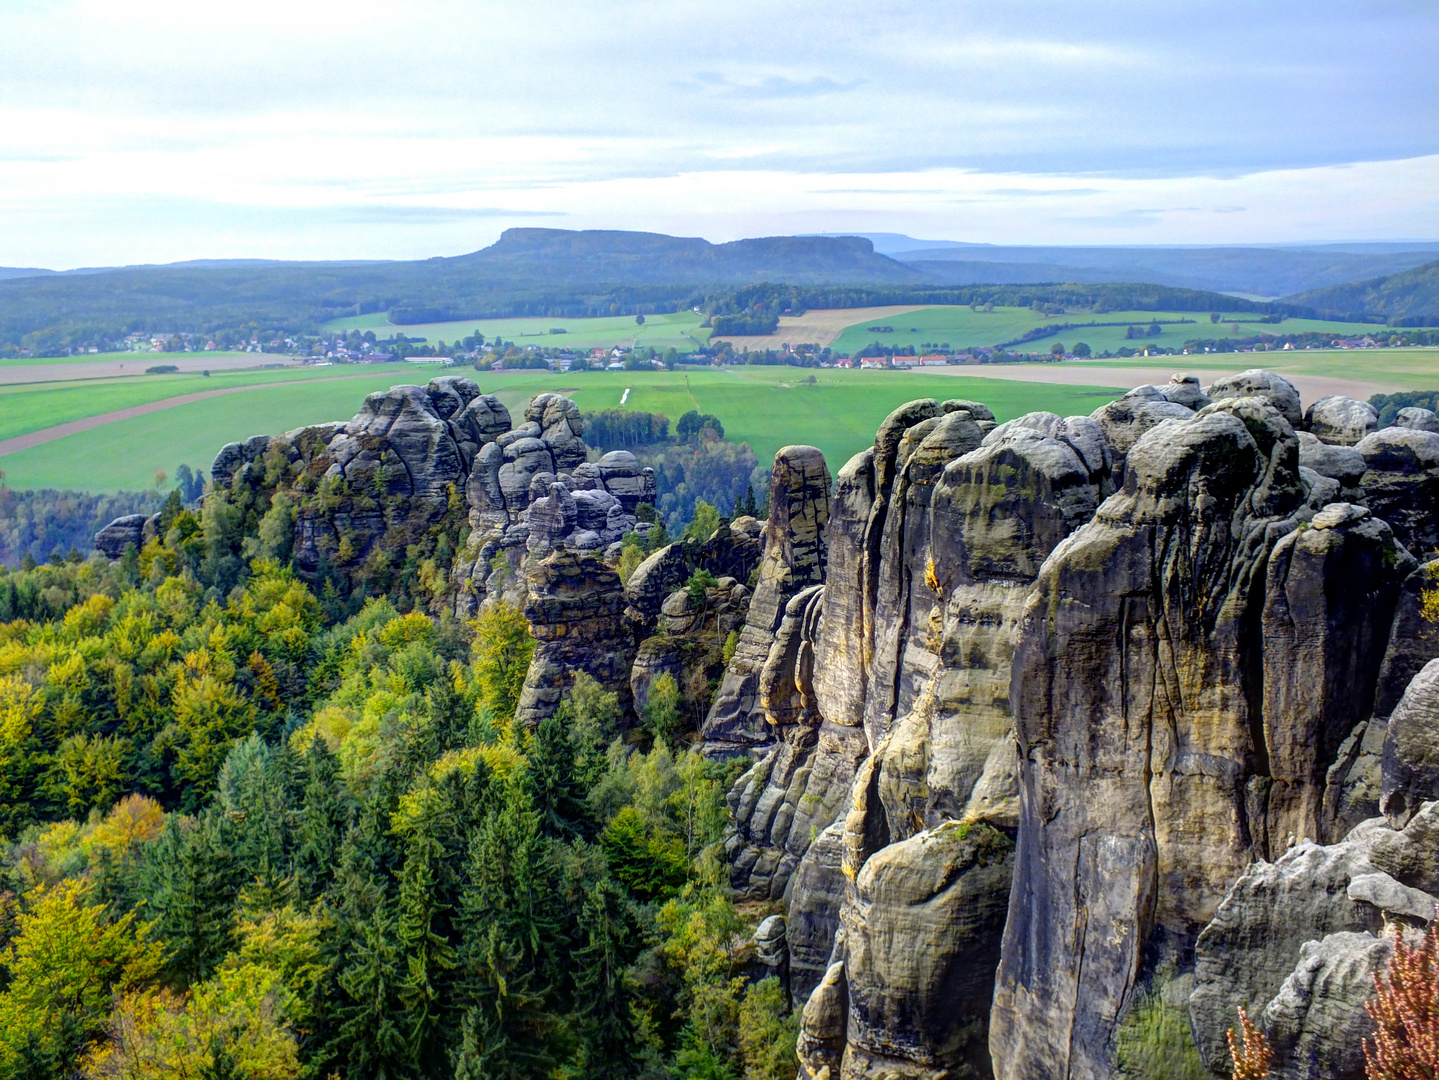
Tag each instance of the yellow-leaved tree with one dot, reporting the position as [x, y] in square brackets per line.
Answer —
[232, 1025]
[64, 965]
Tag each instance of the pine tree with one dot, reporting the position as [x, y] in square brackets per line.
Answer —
[319, 822]
[424, 930]
[603, 995]
[557, 792]
[192, 879]
[369, 1038]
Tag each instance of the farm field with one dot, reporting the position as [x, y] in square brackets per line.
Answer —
[766, 407]
[1399, 369]
[963, 328]
[681, 330]
[33, 406]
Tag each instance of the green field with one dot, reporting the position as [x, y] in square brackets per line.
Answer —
[766, 407]
[680, 331]
[1409, 369]
[32, 406]
[962, 328]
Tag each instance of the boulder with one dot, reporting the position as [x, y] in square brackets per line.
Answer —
[1341, 421]
[1126, 419]
[1401, 484]
[1417, 418]
[1341, 463]
[114, 538]
[621, 475]
[1275, 389]
[1185, 390]
[1411, 856]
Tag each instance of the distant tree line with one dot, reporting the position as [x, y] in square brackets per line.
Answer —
[1390, 404]
[745, 325]
[36, 526]
[621, 429]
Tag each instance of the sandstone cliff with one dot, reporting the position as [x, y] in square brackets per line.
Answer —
[1042, 718]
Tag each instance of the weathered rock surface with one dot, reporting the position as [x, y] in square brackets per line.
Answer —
[574, 605]
[1245, 955]
[1134, 692]
[921, 1009]
[1341, 420]
[1330, 593]
[733, 551]
[114, 538]
[688, 645]
[1414, 417]
[1265, 385]
[1341, 463]
[1411, 749]
[794, 558]
[1401, 484]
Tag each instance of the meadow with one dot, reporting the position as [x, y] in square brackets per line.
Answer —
[680, 331]
[766, 407]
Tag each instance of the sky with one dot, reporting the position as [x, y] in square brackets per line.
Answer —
[160, 130]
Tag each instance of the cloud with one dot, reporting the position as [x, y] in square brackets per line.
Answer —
[883, 108]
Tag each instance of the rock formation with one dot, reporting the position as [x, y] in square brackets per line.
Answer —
[1043, 718]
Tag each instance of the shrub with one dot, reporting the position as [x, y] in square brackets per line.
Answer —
[662, 709]
[1405, 1008]
[1251, 1062]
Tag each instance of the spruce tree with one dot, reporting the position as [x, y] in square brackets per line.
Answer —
[319, 822]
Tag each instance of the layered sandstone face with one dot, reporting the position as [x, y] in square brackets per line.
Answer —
[1145, 695]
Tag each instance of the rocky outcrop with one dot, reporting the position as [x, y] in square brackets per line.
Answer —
[1274, 390]
[733, 551]
[1401, 484]
[1150, 695]
[574, 604]
[688, 645]
[1420, 419]
[114, 538]
[794, 558]
[1330, 594]
[1411, 749]
[921, 1009]
[1246, 954]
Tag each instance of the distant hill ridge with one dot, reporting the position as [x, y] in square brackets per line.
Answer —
[570, 273]
[1410, 297]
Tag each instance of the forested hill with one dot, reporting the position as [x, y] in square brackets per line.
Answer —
[1407, 298]
[528, 272]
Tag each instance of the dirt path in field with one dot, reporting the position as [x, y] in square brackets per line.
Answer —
[1310, 387]
[818, 327]
[74, 427]
[19, 374]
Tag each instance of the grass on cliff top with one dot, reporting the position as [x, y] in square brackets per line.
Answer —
[766, 407]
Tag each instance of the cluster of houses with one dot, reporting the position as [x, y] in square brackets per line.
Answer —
[906, 362]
